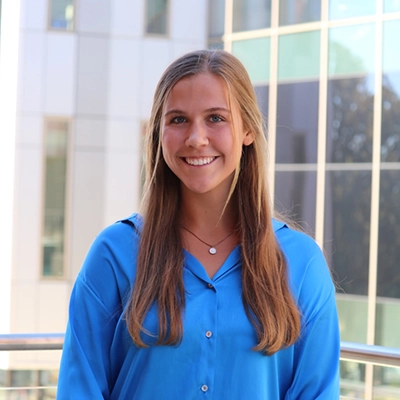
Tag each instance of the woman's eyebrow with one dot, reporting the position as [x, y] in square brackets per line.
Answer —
[212, 109]
[174, 111]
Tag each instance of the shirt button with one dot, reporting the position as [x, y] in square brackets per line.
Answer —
[208, 334]
[210, 285]
[204, 388]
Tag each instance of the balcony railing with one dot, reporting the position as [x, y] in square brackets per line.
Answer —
[31, 341]
[356, 352]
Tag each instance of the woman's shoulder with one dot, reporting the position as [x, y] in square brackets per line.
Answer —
[119, 232]
[294, 241]
[114, 246]
[133, 221]
[307, 266]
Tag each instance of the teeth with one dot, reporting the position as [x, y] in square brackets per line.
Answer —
[199, 161]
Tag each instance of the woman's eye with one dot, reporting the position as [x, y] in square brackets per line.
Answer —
[178, 120]
[215, 118]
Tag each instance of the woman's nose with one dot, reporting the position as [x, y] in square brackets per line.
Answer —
[197, 135]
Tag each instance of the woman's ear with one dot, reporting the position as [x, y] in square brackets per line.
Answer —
[248, 138]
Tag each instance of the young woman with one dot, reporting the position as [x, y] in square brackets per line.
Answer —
[203, 295]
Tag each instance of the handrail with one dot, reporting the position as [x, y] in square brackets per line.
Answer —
[350, 351]
[31, 341]
[364, 353]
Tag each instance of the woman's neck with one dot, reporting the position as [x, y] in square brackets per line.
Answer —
[207, 213]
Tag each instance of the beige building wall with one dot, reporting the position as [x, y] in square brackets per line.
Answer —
[100, 77]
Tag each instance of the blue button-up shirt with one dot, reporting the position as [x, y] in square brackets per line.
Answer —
[215, 359]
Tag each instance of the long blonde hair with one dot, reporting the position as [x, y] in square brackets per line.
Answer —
[265, 291]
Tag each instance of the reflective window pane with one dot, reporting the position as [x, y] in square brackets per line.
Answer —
[353, 316]
[216, 18]
[217, 45]
[251, 14]
[299, 56]
[55, 178]
[156, 17]
[299, 11]
[352, 380]
[295, 194]
[390, 142]
[387, 322]
[297, 123]
[391, 5]
[255, 55]
[62, 14]
[350, 120]
[23, 378]
[389, 235]
[386, 383]
[262, 93]
[339, 9]
[347, 228]
[351, 50]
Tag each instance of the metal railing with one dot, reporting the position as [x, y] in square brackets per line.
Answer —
[31, 341]
[370, 354]
[356, 352]
[349, 351]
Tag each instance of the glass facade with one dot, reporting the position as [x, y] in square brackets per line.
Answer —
[327, 77]
[55, 185]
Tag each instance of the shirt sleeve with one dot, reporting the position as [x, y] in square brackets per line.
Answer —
[95, 307]
[317, 351]
[317, 367]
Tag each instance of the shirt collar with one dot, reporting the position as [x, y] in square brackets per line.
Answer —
[277, 225]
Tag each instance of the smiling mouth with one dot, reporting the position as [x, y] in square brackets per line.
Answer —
[199, 161]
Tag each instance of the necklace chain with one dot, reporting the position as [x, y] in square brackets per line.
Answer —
[212, 247]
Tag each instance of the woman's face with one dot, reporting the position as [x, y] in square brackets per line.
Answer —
[198, 140]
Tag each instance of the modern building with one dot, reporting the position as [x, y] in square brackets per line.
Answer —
[327, 75]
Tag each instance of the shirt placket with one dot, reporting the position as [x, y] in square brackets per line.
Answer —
[209, 340]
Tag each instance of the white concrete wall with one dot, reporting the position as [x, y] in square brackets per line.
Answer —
[102, 77]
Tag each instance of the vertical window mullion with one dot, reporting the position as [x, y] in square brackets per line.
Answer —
[322, 126]
[375, 184]
[273, 95]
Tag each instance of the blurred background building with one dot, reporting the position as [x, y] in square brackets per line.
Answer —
[327, 76]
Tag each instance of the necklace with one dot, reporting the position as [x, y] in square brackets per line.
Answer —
[212, 247]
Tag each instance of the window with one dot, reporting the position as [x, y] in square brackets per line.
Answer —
[156, 17]
[299, 11]
[255, 56]
[340, 9]
[251, 14]
[55, 175]
[61, 15]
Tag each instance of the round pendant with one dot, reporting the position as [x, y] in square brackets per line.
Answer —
[212, 250]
